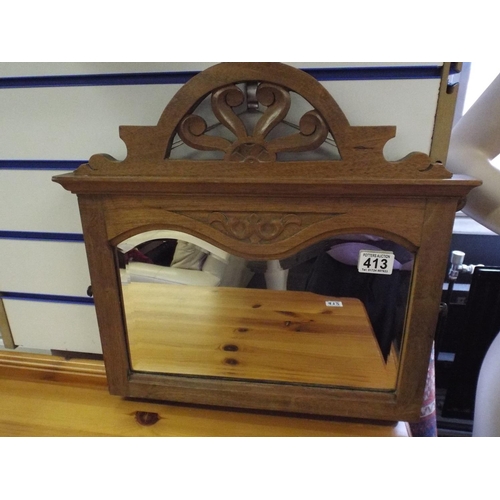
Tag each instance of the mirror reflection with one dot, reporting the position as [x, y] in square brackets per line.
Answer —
[332, 314]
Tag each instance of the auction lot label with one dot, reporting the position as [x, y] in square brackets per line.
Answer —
[375, 262]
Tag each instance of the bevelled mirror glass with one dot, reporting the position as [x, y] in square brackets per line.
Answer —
[315, 317]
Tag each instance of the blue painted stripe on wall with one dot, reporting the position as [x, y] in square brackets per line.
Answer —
[32, 235]
[380, 73]
[180, 77]
[68, 165]
[97, 80]
[66, 299]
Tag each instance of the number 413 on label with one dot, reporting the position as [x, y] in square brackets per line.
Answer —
[375, 262]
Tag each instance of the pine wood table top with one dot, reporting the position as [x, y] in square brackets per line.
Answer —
[50, 396]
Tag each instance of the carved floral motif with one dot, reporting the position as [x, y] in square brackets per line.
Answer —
[253, 227]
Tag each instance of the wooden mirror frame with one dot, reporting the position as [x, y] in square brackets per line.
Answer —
[284, 206]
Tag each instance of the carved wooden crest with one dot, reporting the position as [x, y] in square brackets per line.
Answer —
[254, 148]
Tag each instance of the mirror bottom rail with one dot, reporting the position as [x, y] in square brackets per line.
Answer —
[261, 335]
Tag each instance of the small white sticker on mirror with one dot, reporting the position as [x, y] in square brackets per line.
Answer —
[334, 303]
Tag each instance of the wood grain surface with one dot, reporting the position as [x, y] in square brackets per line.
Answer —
[253, 334]
[49, 396]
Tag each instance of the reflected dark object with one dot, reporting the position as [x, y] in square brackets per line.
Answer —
[160, 252]
[384, 297]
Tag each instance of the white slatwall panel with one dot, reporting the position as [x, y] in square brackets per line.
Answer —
[53, 325]
[45, 267]
[30, 201]
[408, 104]
[73, 123]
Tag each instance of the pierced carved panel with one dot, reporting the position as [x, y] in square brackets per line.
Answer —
[253, 146]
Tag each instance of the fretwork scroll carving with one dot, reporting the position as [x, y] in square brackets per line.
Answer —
[253, 147]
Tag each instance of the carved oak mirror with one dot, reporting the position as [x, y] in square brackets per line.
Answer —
[255, 250]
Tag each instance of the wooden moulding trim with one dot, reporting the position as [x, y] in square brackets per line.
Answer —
[54, 368]
[425, 296]
[457, 186]
[106, 290]
[322, 169]
[288, 398]
[293, 231]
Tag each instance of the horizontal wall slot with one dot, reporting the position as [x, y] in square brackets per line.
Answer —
[177, 77]
[180, 77]
[32, 235]
[67, 165]
[46, 298]
[376, 73]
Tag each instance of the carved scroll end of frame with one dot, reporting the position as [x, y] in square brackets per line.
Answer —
[145, 147]
[365, 145]
[98, 163]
